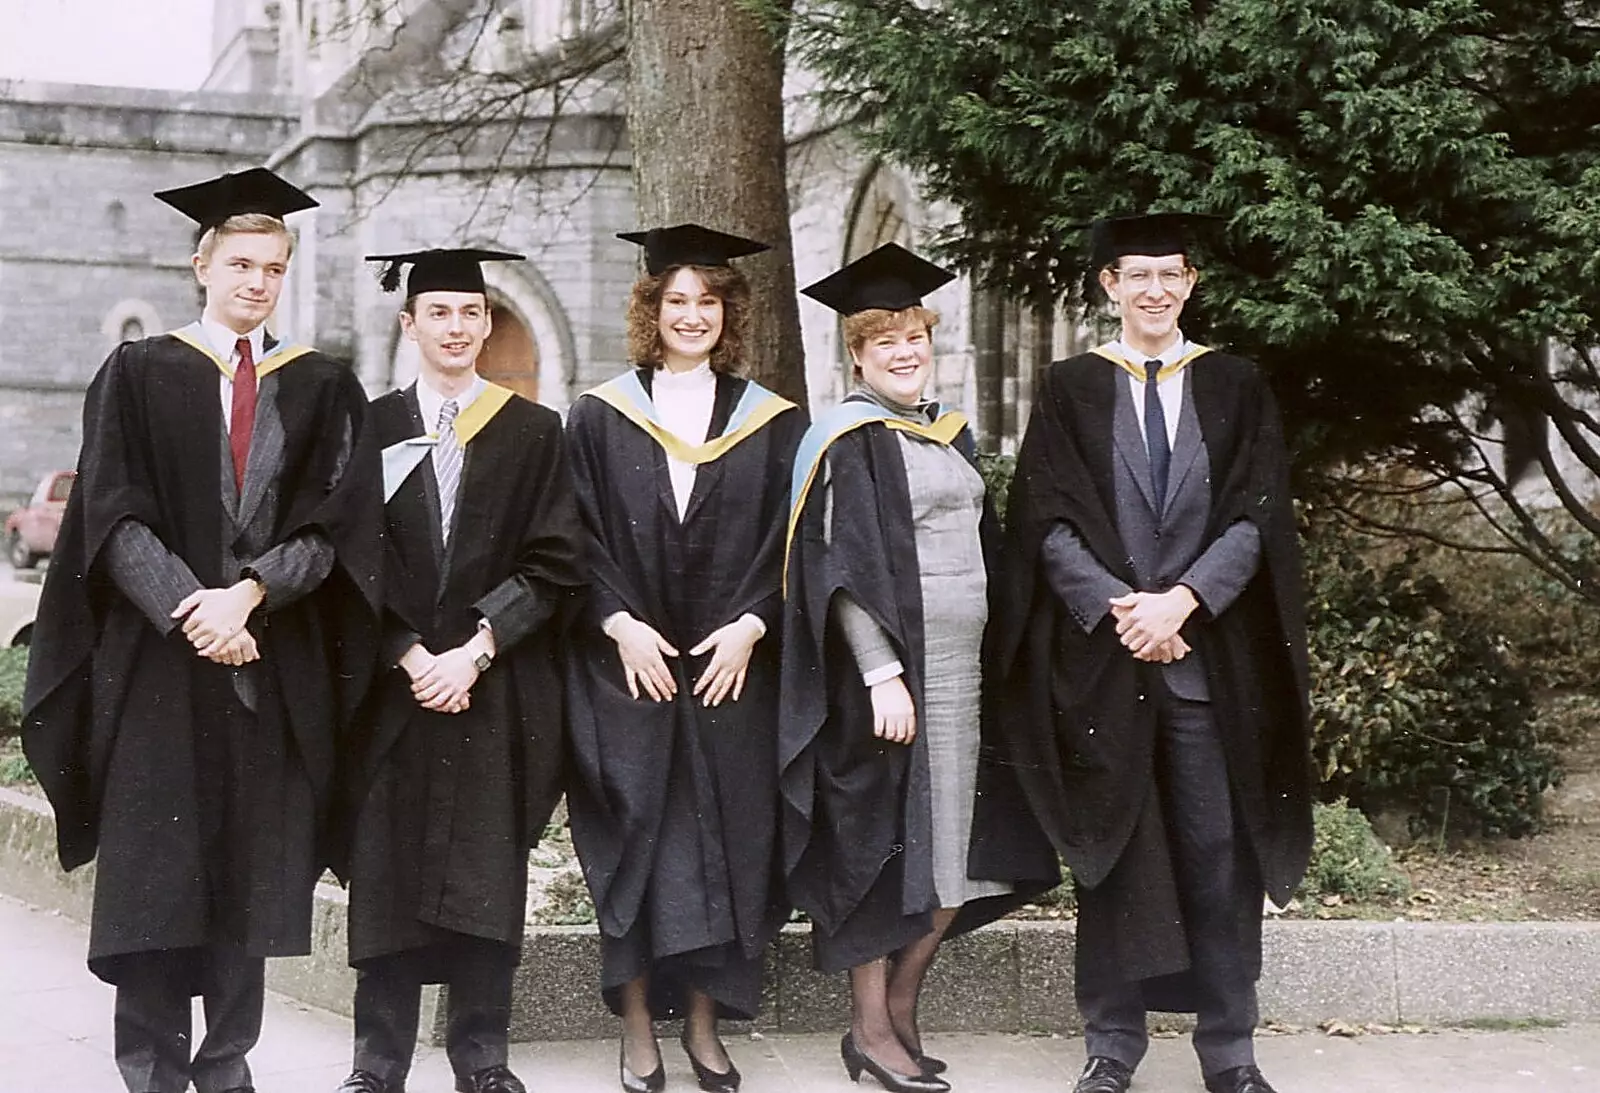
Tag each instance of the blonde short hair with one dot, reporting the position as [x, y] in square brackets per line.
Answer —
[243, 224]
[863, 326]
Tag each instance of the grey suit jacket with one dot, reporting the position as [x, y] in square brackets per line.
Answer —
[156, 580]
[1165, 538]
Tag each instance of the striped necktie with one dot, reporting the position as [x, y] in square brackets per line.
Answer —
[447, 465]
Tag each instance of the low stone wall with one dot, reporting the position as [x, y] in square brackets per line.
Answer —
[1008, 977]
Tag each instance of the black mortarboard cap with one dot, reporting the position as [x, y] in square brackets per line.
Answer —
[690, 245]
[1154, 234]
[257, 190]
[891, 278]
[440, 270]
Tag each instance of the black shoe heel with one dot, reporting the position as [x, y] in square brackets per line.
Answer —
[712, 1081]
[653, 1082]
[856, 1060]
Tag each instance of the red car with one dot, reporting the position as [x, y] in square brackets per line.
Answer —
[31, 530]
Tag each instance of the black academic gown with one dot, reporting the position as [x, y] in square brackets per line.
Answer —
[120, 721]
[856, 809]
[673, 805]
[1081, 734]
[448, 805]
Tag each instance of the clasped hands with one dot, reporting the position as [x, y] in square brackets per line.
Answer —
[214, 621]
[643, 652]
[443, 682]
[1148, 623]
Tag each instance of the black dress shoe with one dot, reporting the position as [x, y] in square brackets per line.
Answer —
[1103, 1075]
[491, 1079]
[856, 1060]
[653, 1082]
[1241, 1079]
[365, 1081]
[712, 1081]
[929, 1064]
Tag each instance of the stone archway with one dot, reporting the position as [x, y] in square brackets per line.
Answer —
[510, 356]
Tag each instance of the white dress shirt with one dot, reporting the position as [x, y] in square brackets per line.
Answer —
[430, 402]
[224, 342]
[684, 402]
[1170, 390]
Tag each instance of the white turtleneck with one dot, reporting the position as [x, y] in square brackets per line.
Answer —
[684, 401]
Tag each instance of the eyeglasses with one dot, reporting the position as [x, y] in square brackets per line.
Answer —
[1140, 280]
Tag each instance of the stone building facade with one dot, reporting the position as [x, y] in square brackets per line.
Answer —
[345, 98]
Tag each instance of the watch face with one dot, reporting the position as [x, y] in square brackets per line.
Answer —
[482, 662]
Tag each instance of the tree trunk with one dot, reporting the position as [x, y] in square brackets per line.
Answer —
[705, 123]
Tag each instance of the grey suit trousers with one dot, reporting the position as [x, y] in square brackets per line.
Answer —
[477, 1006]
[151, 1026]
[1208, 859]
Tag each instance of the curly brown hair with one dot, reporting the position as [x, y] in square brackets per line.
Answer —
[644, 315]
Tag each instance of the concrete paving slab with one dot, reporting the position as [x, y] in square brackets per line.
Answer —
[1321, 970]
[1459, 972]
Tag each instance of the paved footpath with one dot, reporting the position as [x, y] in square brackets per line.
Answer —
[55, 1037]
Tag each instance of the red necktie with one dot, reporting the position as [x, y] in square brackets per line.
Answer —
[244, 411]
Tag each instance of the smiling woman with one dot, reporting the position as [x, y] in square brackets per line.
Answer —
[683, 469]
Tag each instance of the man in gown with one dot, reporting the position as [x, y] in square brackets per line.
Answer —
[206, 628]
[458, 763]
[1159, 666]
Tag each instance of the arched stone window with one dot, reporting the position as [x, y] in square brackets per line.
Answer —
[879, 214]
[129, 320]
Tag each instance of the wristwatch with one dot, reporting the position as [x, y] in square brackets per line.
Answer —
[482, 662]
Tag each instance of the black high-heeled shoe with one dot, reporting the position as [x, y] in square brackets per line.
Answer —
[930, 1065]
[653, 1082]
[856, 1060]
[712, 1081]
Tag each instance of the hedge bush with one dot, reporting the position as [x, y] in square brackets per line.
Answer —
[1415, 701]
[1349, 860]
[13, 670]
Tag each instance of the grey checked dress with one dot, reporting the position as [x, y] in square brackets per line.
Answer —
[946, 504]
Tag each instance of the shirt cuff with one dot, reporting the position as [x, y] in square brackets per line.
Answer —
[881, 675]
[761, 627]
[611, 620]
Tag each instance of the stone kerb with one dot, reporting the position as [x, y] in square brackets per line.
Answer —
[1007, 977]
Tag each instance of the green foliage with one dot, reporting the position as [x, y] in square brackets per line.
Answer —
[14, 769]
[1349, 860]
[997, 471]
[1415, 701]
[566, 901]
[1412, 187]
[13, 672]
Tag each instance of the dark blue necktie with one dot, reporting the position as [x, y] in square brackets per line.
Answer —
[1155, 432]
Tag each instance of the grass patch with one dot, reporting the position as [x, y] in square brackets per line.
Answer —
[1508, 1024]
